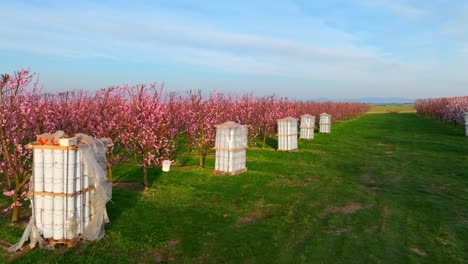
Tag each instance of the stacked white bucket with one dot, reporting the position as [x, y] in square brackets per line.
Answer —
[466, 124]
[61, 191]
[287, 134]
[325, 123]
[307, 126]
[230, 146]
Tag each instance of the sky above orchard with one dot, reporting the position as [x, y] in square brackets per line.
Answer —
[300, 49]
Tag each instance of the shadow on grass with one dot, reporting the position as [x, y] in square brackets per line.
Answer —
[130, 172]
[128, 187]
[272, 143]
[123, 199]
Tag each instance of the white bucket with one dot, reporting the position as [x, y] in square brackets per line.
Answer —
[166, 165]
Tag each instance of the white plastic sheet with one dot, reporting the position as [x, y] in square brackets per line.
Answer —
[230, 146]
[307, 126]
[325, 123]
[287, 134]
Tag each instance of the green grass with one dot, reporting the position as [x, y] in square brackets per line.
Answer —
[392, 108]
[387, 188]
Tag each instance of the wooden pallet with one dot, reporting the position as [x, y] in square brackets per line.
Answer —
[217, 172]
[70, 243]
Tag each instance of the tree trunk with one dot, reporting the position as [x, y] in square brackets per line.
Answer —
[189, 144]
[110, 162]
[145, 177]
[265, 136]
[15, 214]
[109, 172]
[201, 157]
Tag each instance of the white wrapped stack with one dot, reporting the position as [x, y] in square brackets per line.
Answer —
[307, 126]
[325, 123]
[287, 134]
[69, 190]
[230, 146]
[466, 124]
[60, 192]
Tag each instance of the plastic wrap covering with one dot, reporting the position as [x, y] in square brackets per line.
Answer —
[93, 153]
[69, 191]
[230, 146]
[325, 123]
[287, 134]
[307, 126]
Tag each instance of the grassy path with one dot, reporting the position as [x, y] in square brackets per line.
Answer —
[387, 188]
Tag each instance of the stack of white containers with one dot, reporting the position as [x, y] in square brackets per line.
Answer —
[69, 191]
[325, 123]
[62, 192]
[287, 134]
[307, 126]
[230, 146]
[466, 124]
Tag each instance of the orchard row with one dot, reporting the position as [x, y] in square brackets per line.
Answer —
[449, 109]
[142, 119]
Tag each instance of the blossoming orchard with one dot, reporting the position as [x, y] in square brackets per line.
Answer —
[450, 109]
[143, 121]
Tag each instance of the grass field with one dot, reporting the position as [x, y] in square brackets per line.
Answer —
[387, 188]
[392, 108]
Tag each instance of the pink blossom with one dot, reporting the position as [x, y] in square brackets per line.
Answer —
[9, 193]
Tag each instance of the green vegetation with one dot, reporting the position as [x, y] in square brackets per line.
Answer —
[392, 108]
[387, 188]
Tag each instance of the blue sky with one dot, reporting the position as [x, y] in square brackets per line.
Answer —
[301, 49]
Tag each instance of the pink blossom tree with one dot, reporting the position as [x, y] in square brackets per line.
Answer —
[108, 110]
[147, 131]
[201, 116]
[268, 111]
[19, 108]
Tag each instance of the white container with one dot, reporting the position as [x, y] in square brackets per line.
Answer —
[166, 165]
[48, 170]
[38, 205]
[325, 123]
[48, 230]
[47, 216]
[79, 199]
[59, 172]
[307, 126]
[58, 218]
[230, 146]
[38, 170]
[68, 141]
[287, 134]
[466, 124]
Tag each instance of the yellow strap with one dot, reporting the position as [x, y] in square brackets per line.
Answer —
[63, 194]
[230, 149]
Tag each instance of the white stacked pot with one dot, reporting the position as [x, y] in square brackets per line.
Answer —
[60, 192]
[307, 126]
[230, 146]
[325, 123]
[287, 134]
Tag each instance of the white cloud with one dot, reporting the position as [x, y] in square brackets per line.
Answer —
[398, 7]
